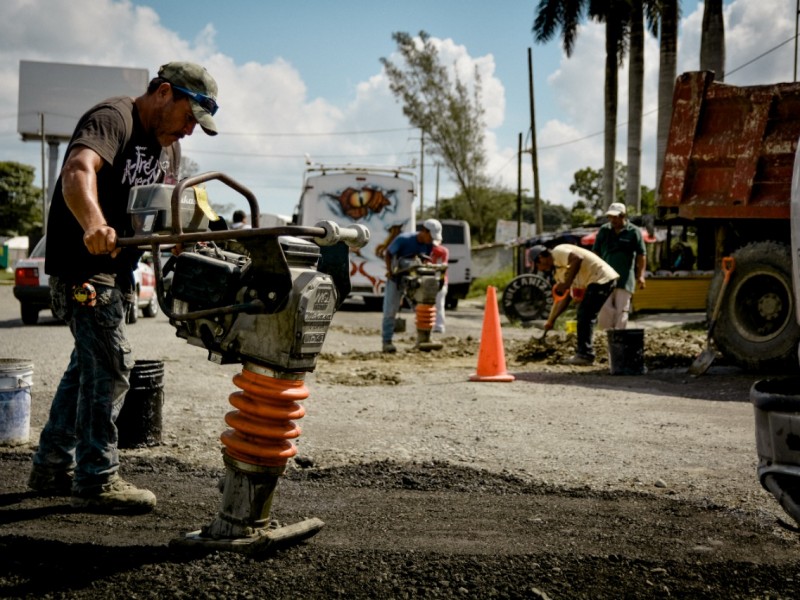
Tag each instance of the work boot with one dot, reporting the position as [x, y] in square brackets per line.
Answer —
[116, 496]
[46, 482]
[579, 360]
[389, 348]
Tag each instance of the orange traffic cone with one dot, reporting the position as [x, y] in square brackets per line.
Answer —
[491, 356]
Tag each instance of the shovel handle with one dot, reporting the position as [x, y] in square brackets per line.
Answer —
[728, 265]
[558, 297]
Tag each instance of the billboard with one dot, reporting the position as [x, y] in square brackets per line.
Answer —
[63, 92]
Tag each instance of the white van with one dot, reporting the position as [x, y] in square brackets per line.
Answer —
[457, 240]
[380, 198]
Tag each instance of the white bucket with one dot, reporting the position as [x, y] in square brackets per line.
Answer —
[16, 379]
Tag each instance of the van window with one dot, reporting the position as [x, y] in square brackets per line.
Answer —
[452, 234]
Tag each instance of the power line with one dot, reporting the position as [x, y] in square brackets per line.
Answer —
[760, 56]
[317, 134]
[655, 110]
[302, 156]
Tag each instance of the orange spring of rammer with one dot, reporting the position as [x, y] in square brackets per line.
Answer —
[262, 425]
[426, 316]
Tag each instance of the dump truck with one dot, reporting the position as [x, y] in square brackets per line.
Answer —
[727, 174]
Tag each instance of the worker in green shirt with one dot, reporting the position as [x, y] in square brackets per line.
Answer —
[621, 245]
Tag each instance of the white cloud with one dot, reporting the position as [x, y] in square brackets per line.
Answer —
[259, 100]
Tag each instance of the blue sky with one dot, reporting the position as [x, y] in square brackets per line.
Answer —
[295, 77]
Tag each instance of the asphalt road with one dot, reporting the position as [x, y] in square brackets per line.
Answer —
[567, 482]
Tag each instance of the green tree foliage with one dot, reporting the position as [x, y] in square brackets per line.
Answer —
[437, 101]
[588, 186]
[582, 214]
[500, 205]
[20, 200]
[494, 204]
[554, 216]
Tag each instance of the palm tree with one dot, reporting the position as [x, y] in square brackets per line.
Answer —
[641, 11]
[624, 19]
[668, 52]
[552, 15]
[712, 42]
[633, 190]
[617, 20]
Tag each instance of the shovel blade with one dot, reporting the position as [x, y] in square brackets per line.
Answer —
[702, 362]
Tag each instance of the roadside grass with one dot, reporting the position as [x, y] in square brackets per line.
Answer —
[499, 280]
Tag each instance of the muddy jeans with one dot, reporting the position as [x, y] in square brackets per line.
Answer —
[80, 431]
[594, 298]
[392, 299]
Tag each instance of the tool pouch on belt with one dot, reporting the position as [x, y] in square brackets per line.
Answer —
[84, 294]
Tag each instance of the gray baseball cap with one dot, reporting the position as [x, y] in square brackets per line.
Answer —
[535, 251]
[194, 81]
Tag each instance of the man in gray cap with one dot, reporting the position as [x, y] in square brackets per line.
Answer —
[119, 143]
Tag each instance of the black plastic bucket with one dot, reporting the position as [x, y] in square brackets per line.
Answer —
[777, 412]
[776, 404]
[139, 422]
[626, 351]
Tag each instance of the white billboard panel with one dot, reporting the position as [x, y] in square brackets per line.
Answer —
[63, 92]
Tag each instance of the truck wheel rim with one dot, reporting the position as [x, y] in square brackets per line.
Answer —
[762, 306]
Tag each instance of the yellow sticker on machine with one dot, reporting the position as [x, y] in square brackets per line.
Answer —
[201, 195]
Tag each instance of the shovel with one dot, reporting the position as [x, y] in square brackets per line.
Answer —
[706, 357]
[540, 324]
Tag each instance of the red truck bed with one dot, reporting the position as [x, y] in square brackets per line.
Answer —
[730, 150]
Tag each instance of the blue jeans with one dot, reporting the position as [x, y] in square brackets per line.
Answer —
[80, 433]
[391, 305]
[593, 300]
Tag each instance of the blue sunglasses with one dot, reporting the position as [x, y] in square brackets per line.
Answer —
[207, 103]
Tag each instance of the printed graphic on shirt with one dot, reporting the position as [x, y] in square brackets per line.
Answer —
[143, 169]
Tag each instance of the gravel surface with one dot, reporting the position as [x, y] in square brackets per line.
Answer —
[565, 483]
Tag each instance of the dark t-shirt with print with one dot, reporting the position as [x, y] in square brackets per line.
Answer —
[132, 157]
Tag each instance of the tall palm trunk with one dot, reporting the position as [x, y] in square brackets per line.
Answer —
[633, 191]
[712, 43]
[611, 92]
[668, 53]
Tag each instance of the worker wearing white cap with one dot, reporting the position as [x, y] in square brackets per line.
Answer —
[621, 245]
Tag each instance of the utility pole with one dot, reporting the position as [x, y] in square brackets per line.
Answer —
[517, 249]
[44, 187]
[421, 172]
[537, 203]
[796, 16]
[437, 190]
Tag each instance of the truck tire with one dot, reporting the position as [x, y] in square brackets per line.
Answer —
[132, 314]
[29, 314]
[527, 297]
[151, 310]
[373, 303]
[756, 327]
